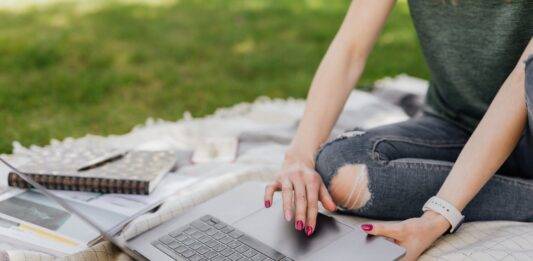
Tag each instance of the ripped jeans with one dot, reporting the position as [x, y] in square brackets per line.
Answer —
[402, 165]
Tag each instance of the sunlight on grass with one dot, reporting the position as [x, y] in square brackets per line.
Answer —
[72, 68]
[244, 47]
[23, 5]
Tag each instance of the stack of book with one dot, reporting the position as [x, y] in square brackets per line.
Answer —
[111, 186]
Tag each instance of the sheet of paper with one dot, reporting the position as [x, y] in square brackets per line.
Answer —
[29, 239]
[128, 205]
[34, 208]
[32, 221]
[131, 204]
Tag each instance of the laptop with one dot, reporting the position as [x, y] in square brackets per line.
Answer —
[236, 226]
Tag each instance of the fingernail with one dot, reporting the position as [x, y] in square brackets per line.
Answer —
[367, 227]
[267, 203]
[308, 230]
[299, 225]
[288, 215]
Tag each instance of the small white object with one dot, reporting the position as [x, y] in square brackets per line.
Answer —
[402, 84]
[216, 150]
[447, 210]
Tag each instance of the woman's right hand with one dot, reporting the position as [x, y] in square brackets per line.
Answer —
[301, 187]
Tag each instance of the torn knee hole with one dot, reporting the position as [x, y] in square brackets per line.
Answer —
[349, 188]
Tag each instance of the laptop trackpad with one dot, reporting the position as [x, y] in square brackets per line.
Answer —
[269, 227]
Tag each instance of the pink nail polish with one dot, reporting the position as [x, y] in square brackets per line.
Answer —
[367, 227]
[299, 225]
[267, 203]
[309, 231]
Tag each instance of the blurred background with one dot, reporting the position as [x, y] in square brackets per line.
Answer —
[68, 68]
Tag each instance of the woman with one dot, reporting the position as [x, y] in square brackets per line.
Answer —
[471, 152]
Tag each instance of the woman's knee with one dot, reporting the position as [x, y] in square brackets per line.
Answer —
[349, 188]
[343, 166]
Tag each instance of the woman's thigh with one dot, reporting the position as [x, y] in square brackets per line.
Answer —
[389, 172]
[426, 142]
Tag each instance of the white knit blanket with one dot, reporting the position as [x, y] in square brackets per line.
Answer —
[265, 126]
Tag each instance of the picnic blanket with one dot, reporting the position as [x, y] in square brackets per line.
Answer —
[264, 129]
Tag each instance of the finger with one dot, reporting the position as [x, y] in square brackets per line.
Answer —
[300, 200]
[326, 199]
[312, 188]
[270, 189]
[286, 194]
[391, 230]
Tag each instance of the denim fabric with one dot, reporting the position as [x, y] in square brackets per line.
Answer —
[407, 163]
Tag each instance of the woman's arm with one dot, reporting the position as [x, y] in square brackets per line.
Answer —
[493, 140]
[338, 72]
[489, 146]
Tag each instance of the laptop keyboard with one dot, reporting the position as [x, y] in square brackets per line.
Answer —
[208, 238]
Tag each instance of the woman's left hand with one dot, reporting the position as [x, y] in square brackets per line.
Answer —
[415, 234]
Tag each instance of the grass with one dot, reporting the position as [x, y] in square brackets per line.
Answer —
[68, 72]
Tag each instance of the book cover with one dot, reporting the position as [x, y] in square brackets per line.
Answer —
[133, 172]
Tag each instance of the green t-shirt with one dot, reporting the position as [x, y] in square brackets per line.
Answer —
[470, 47]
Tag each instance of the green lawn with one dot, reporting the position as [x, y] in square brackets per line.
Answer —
[68, 72]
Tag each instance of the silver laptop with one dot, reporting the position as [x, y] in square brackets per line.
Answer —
[236, 226]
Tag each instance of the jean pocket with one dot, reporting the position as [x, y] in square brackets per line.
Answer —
[428, 164]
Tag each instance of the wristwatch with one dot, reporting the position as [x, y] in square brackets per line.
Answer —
[447, 210]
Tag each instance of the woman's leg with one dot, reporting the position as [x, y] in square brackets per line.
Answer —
[386, 172]
[389, 172]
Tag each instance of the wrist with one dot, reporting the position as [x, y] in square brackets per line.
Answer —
[438, 223]
[296, 155]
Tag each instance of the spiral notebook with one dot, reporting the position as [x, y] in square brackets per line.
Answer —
[126, 172]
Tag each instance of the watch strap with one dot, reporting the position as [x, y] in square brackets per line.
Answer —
[445, 209]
